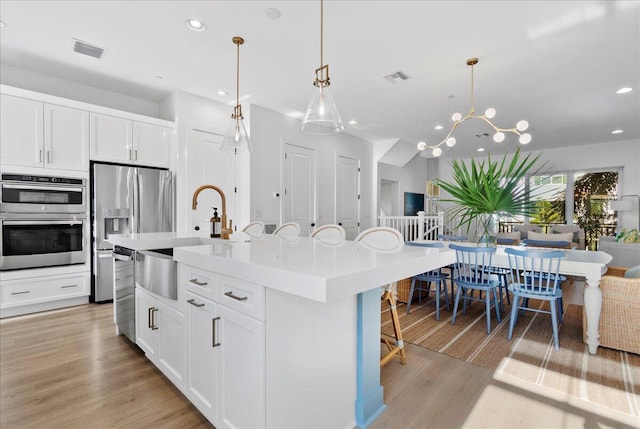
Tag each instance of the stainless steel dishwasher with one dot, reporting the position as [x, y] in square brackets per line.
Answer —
[124, 287]
[156, 272]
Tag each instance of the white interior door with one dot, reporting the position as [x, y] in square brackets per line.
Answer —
[208, 165]
[299, 177]
[347, 202]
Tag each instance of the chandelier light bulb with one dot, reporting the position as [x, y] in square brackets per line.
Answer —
[422, 145]
[437, 151]
[451, 142]
[456, 117]
[490, 113]
[522, 125]
[525, 138]
[498, 137]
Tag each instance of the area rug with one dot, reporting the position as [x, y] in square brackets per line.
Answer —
[609, 380]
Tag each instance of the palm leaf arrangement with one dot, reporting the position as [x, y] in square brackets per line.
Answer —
[484, 188]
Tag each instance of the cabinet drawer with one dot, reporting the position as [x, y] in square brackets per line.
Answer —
[242, 296]
[35, 290]
[198, 281]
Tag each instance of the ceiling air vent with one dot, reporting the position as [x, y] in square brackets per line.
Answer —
[396, 77]
[87, 49]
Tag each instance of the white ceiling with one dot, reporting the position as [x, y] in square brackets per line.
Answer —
[555, 63]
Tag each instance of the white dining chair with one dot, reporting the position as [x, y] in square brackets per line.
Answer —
[289, 229]
[332, 231]
[387, 240]
[254, 228]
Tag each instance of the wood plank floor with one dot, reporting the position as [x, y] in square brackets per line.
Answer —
[68, 369]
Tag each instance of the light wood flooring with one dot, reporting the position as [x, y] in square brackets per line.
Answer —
[68, 369]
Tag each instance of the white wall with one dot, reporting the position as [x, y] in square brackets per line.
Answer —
[268, 130]
[621, 154]
[189, 112]
[411, 178]
[75, 91]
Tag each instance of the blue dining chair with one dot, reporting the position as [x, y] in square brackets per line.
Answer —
[535, 275]
[435, 276]
[471, 274]
[454, 238]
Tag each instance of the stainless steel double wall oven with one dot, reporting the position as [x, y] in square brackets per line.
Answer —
[42, 221]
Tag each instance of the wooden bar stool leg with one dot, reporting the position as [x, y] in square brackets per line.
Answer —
[398, 347]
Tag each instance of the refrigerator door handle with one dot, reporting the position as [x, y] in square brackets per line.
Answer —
[136, 202]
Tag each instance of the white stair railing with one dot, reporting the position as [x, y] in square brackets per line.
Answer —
[425, 227]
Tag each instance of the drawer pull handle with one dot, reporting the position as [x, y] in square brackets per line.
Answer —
[20, 293]
[238, 298]
[68, 286]
[196, 282]
[194, 303]
[214, 344]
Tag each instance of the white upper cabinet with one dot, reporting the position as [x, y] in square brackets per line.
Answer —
[37, 134]
[111, 138]
[122, 140]
[66, 138]
[21, 131]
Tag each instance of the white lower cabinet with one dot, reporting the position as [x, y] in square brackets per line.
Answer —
[202, 359]
[241, 374]
[225, 376]
[160, 333]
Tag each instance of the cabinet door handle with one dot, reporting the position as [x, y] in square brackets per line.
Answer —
[20, 293]
[48, 157]
[239, 298]
[135, 154]
[151, 322]
[213, 332]
[130, 157]
[40, 155]
[196, 282]
[68, 286]
[194, 303]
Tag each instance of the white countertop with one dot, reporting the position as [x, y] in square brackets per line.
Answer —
[310, 268]
[158, 240]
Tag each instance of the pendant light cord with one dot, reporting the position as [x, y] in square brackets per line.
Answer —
[473, 104]
[237, 74]
[321, 33]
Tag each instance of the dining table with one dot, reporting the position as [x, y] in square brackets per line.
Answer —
[591, 265]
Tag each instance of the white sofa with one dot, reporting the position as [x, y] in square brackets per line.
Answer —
[624, 254]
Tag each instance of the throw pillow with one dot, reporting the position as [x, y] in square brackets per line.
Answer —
[562, 229]
[539, 236]
[524, 229]
[633, 273]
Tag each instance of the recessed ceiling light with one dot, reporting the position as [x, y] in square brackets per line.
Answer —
[624, 90]
[2, 24]
[438, 127]
[480, 149]
[273, 13]
[222, 93]
[195, 25]
[617, 131]
[353, 122]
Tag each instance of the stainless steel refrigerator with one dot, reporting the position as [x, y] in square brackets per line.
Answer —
[124, 199]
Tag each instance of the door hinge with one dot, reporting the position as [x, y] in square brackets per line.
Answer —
[358, 169]
[358, 196]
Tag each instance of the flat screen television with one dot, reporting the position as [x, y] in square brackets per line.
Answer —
[413, 203]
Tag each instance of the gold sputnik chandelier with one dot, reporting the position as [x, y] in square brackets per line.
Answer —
[489, 114]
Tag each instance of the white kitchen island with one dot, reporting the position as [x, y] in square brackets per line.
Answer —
[296, 324]
[321, 320]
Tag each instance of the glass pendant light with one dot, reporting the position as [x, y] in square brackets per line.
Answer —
[236, 136]
[322, 115]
